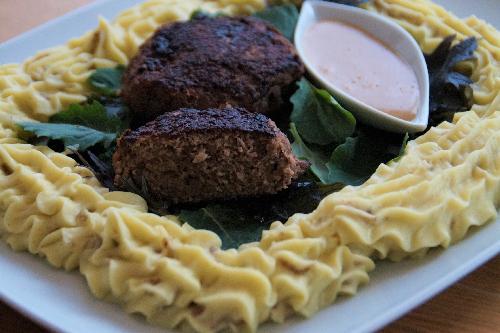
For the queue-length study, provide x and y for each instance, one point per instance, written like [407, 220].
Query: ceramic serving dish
[388, 32]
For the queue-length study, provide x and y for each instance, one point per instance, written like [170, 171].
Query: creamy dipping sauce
[363, 67]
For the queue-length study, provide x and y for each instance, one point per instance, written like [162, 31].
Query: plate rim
[378, 322]
[432, 290]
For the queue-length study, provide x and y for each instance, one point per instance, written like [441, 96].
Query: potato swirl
[177, 276]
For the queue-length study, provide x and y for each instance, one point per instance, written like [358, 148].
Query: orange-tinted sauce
[363, 67]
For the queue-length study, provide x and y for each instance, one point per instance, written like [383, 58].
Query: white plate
[62, 302]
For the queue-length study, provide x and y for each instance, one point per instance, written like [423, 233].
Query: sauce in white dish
[363, 67]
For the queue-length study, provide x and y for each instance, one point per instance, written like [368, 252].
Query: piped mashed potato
[176, 276]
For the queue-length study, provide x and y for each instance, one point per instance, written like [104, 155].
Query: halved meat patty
[211, 63]
[197, 155]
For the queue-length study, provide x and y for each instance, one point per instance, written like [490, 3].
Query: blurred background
[17, 16]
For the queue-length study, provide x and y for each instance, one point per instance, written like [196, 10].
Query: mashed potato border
[176, 276]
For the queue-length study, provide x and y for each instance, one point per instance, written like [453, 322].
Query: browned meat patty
[211, 63]
[191, 156]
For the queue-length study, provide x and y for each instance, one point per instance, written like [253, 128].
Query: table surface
[470, 305]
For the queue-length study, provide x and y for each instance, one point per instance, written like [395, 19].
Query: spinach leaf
[107, 81]
[450, 91]
[115, 108]
[200, 13]
[349, 2]
[83, 126]
[402, 150]
[229, 224]
[345, 165]
[284, 18]
[313, 155]
[242, 221]
[319, 118]
[298, 2]
[79, 137]
[354, 161]
[93, 115]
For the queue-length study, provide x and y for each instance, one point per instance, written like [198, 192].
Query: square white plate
[62, 302]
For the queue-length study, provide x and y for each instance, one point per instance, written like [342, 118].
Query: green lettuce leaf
[200, 13]
[227, 223]
[319, 118]
[349, 2]
[284, 18]
[315, 156]
[352, 162]
[82, 126]
[76, 136]
[93, 115]
[107, 81]
[243, 221]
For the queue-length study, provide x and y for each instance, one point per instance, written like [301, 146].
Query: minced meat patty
[194, 155]
[211, 63]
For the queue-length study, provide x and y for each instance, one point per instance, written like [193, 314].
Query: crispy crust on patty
[211, 62]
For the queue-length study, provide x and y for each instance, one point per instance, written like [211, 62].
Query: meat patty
[211, 63]
[192, 155]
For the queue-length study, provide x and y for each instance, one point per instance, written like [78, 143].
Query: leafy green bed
[341, 151]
